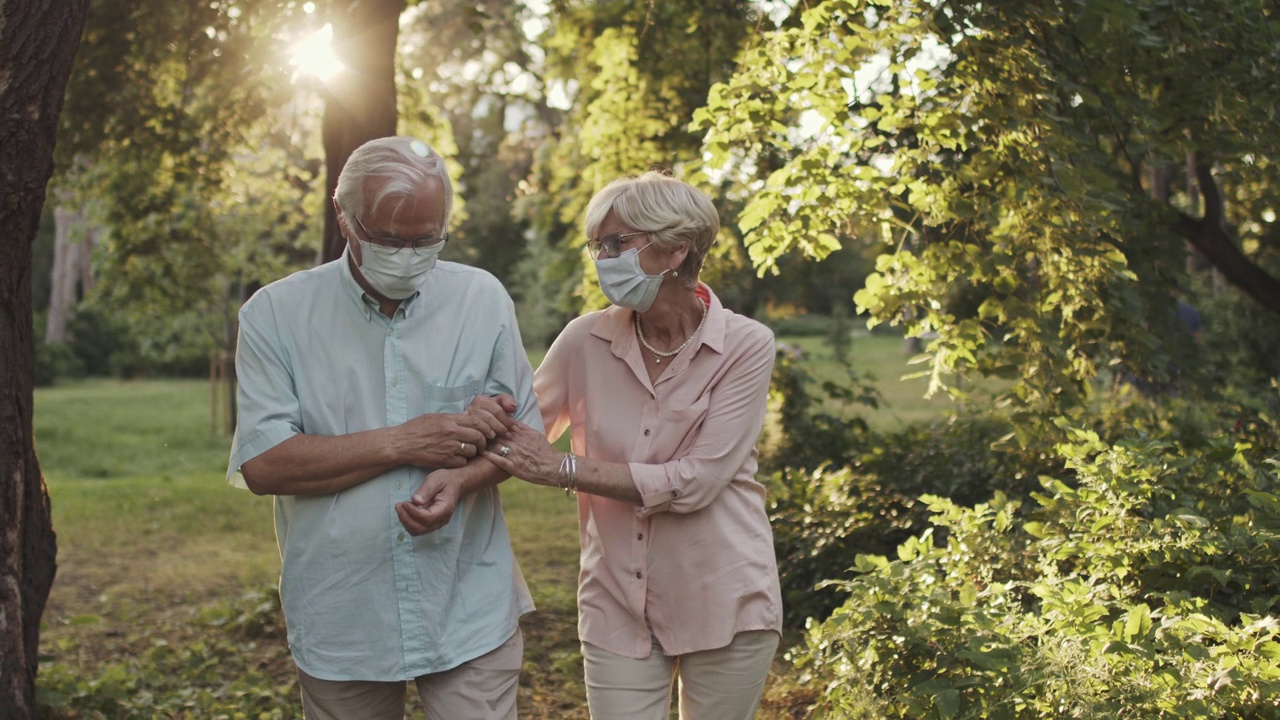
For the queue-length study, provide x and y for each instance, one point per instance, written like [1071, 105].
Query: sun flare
[315, 56]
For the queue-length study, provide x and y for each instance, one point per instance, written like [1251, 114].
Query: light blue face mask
[397, 274]
[625, 283]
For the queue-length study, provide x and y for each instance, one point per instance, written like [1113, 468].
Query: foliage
[54, 362]
[108, 345]
[212, 678]
[633, 73]
[181, 142]
[1241, 343]
[1029, 151]
[838, 489]
[815, 431]
[824, 517]
[1143, 585]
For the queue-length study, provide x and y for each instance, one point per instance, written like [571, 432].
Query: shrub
[97, 338]
[1144, 585]
[1241, 341]
[838, 489]
[801, 325]
[55, 361]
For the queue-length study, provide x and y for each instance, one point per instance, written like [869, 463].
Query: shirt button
[399, 484]
[639, 536]
[400, 537]
[675, 493]
[646, 432]
[639, 575]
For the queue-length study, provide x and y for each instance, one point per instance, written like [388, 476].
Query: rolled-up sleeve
[268, 408]
[725, 438]
[551, 384]
[511, 373]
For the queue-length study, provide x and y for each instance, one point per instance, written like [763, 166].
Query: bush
[97, 338]
[838, 489]
[800, 325]
[1143, 585]
[105, 345]
[1241, 342]
[55, 361]
[825, 517]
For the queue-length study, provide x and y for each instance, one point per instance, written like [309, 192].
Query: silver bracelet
[563, 472]
[571, 487]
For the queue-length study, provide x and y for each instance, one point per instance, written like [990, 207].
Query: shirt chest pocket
[450, 398]
[680, 427]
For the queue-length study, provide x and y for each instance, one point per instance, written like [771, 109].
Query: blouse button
[646, 432]
[639, 575]
[675, 493]
[639, 536]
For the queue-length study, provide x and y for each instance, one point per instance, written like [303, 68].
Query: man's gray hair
[673, 212]
[403, 164]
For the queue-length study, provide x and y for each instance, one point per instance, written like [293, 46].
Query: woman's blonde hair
[673, 212]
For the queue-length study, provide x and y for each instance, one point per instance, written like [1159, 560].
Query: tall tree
[38, 42]
[361, 102]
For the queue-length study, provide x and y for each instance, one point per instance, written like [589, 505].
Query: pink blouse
[696, 561]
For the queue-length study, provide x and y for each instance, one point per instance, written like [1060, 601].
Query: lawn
[163, 599]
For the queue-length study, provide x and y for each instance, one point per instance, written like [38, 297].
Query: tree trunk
[65, 275]
[38, 42]
[361, 101]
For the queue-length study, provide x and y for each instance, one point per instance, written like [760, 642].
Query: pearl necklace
[658, 354]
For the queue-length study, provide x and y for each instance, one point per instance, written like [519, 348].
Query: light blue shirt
[363, 599]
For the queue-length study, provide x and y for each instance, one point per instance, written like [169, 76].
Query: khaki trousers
[721, 684]
[479, 689]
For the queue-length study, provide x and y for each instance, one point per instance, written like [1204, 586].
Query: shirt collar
[615, 326]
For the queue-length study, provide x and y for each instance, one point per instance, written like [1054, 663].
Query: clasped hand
[450, 441]
[524, 452]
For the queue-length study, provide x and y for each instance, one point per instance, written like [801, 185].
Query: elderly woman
[665, 395]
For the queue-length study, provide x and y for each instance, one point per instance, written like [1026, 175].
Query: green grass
[883, 362]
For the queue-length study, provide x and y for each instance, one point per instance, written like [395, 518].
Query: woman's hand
[524, 453]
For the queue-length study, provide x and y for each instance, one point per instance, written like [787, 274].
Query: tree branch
[1210, 237]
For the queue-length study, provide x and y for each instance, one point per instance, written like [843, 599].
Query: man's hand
[451, 440]
[433, 503]
[494, 412]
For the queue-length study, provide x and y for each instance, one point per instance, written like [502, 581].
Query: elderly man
[357, 378]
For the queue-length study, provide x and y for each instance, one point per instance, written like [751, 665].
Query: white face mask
[397, 274]
[625, 283]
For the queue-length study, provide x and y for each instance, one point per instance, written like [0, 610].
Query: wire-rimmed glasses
[610, 244]
[395, 244]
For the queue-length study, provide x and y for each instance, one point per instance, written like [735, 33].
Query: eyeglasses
[395, 244]
[611, 245]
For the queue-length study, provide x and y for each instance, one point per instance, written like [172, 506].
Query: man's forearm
[320, 464]
[478, 475]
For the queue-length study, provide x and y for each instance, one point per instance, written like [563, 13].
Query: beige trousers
[721, 684]
[479, 689]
